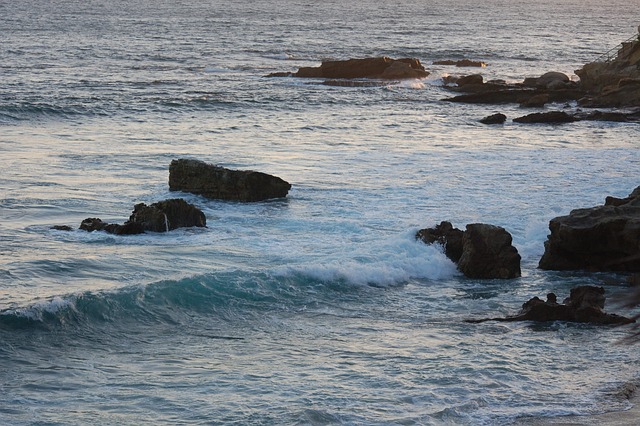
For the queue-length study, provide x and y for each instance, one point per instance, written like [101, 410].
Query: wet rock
[494, 119]
[62, 228]
[462, 63]
[163, 216]
[585, 305]
[445, 235]
[376, 68]
[536, 101]
[602, 238]
[220, 183]
[551, 117]
[472, 79]
[488, 253]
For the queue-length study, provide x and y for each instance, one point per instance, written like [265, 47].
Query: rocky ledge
[481, 251]
[220, 183]
[601, 238]
[163, 216]
[585, 304]
[374, 68]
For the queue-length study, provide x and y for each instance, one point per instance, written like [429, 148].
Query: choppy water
[317, 309]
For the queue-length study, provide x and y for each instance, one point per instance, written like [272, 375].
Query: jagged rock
[217, 182]
[553, 117]
[603, 238]
[494, 119]
[462, 63]
[585, 304]
[163, 216]
[488, 253]
[378, 68]
[447, 236]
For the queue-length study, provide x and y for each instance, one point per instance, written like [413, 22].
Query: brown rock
[378, 68]
[447, 236]
[488, 253]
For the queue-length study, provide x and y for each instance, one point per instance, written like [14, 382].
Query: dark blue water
[317, 309]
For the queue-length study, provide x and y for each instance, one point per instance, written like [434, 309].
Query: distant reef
[382, 68]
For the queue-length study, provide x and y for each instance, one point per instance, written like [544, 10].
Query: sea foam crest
[394, 262]
[37, 311]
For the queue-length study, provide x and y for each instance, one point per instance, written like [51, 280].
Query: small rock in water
[494, 119]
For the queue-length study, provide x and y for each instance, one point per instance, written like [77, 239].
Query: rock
[551, 79]
[447, 236]
[62, 228]
[217, 182]
[611, 116]
[610, 82]
[167, 215]
[603, 238]
[553, 117]
[462, 63]
[488, 253]
[494, 119]
[163, 216]
[584, 305]
[470, 79]
[355, 83]
[377, 68]
[536, 101]
[499, 94]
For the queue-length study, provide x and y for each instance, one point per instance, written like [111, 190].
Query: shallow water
[317, 309]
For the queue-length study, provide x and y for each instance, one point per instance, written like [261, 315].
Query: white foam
[36, 311]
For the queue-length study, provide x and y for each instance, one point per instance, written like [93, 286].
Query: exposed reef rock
[613, 83]
[585, 305]
[462, 63]
[554, 117]
[163, 216]
[219, 183]
[482, 251]
[603, 238]
[376, 68]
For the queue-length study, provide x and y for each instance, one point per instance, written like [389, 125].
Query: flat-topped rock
[220, 183]
[375, 68]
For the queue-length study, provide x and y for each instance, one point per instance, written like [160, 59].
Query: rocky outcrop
[481, 251]
[220, 183]
[461, 63]
[585, 305]
[163, 216]
[498, 118]
[488, 253]
[447, 236]
[377, 68]
[613, 83]
[554, 117]
[603, 238]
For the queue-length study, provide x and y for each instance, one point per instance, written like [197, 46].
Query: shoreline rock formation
[382, 68]
[482, 251]
[585, 304]
[219, 183]
[163, 216]
[602, 238]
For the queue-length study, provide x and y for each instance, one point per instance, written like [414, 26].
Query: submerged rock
[163, 216]
[603, 238]
[585, 304]
[220, 183]
[482, 251]
[378, 68]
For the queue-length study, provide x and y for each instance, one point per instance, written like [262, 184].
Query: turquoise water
[317, 309]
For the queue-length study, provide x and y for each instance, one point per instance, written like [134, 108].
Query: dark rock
[163, 216]
[378, 68]
[611, 116]
[462, 63]
[217, 182]
[494, 119]
[62, 228]
[355, 83]
[551, 117]
[603, 238]
[447, 236]
[536, 101]
[470, 80]
[584, 305]
[551, 79]
[488, 253]
[280, 74]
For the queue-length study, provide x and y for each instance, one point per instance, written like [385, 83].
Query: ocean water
[320, 308]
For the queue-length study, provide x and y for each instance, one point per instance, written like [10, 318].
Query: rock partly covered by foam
[163, 216]
[378, 68]
[481, 251]
[585, 304]
[220, 183]
[602, 238]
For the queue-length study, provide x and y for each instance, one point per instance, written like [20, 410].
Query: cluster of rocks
[461, 63]
[585, 304]
[560, 117]
[199, 178]
[481, 251]
[382, 68]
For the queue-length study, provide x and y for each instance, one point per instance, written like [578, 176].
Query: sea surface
[320, 308]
